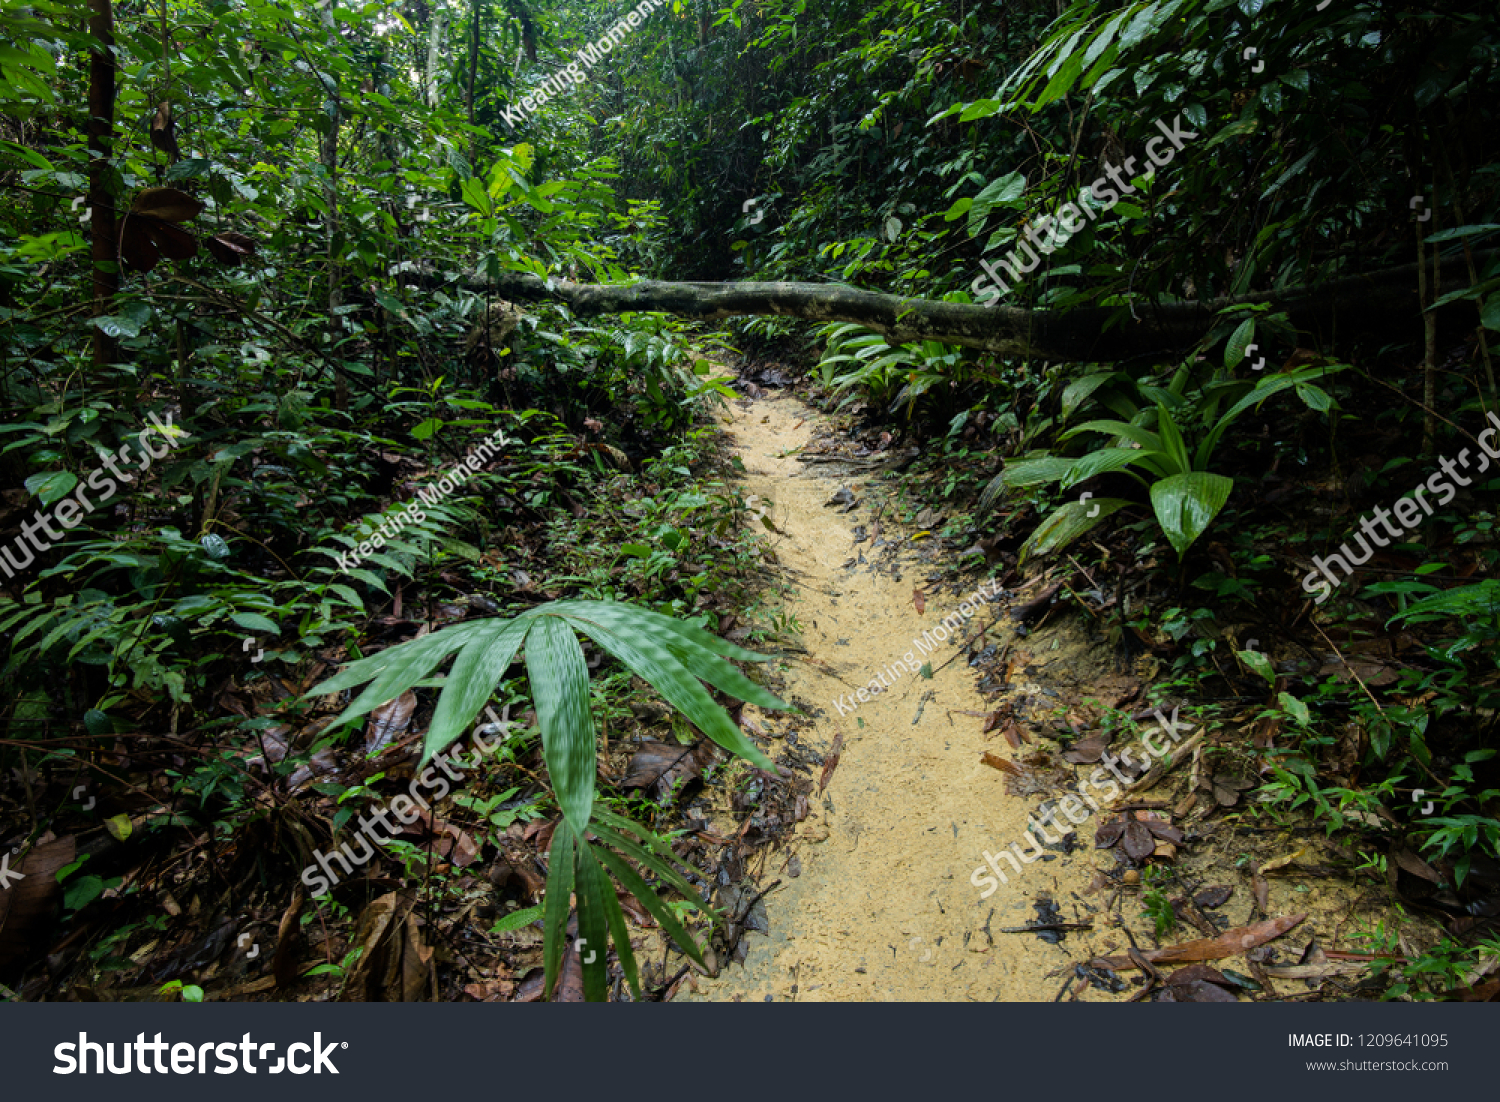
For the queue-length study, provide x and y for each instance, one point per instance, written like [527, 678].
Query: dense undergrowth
[249, 337]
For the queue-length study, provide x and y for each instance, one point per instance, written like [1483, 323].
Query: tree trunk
[330, 159]
[1374, 303]
[101, 198]
[434, 55]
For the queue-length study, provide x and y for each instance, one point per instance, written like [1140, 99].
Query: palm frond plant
[1185, 495]
[591, 842]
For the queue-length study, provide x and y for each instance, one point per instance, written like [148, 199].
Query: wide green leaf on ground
[1186, 505]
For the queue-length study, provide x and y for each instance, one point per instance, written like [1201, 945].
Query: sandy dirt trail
[884, 908]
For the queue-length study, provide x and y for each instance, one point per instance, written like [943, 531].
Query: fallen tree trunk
[1383, 302]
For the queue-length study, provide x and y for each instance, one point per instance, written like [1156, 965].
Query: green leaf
[1100, 462]
[1241, 339]
[475, 194]
[1490, 314]
[1186, 505]
[1036, 472]
[631, 881]
[1006, 191]
[1260, 663]
[620, 934]
[653, 854]
[51, 487]
[395, 669]
[1175, 446]
[516, 920]
[254, 621]
[1295, 708]
[699, 650]
[115, 326]
[1147, 439]
[1067, 523]
[1078, 391]
[471, 682]
[559, 678]
[664, 670]
[1463, 231]
[593, 926]
[558, 902]
[214, 546]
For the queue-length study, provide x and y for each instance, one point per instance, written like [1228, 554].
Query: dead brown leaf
[994, 761]
[166, 203]
[831, 762]
[1228, 944]
[1216, 896]
[1136, 841]
[26, 906]
[388, 721]
[666, 766]
[164, 132]
[1086, 750]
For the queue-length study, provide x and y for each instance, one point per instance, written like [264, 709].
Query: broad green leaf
[1067, 523]
[702, 652]
[659, 666]
[1174, 445]
[1147, 439]
[1186, 505]
[475, 194]
[619, 933]
[1490, 314]
[559, 678]
[252, 621]
[631, 881]
[516, 920]
[396, 669]
[1464, 231]
[1078, 391]
[643, 856]
[558, 902]
[50, 487]
[1296, 709]
[1260, 662]
[471, 682]
[593, 925]
[1036, 472]
[1100, 462]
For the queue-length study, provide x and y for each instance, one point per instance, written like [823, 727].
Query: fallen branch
[1381, 302]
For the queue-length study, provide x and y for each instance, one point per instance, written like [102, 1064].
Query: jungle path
[883, 908]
